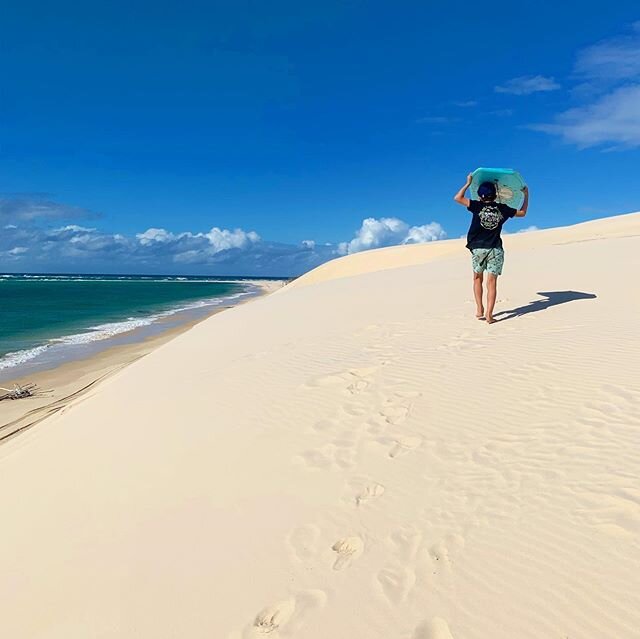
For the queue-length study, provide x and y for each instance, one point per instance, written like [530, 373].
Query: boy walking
[484, 241]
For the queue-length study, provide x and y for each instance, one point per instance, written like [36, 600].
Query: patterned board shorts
[490, 260]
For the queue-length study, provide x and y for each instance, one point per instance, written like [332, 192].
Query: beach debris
[19, 391]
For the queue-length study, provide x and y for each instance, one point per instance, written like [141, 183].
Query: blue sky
[264, 138]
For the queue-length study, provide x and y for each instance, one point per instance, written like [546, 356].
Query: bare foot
[480, 313]
[491, 320]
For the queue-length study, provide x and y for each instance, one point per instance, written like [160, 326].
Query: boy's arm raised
[525, 205]
[459, 196]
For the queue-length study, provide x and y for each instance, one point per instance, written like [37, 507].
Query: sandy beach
[353, 456]
[60, 385]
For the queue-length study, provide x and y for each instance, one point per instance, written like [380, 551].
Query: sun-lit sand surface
[354, 456]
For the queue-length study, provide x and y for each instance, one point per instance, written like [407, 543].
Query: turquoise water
[41, 311]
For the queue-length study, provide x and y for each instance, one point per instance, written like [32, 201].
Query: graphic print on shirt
[490, 217]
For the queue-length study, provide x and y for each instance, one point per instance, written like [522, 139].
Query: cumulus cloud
[155, 235]
[223, 240]
[33, 206]
[215, 241]
[528, 84]
[610, 74]
[73, 247]
[388, 231]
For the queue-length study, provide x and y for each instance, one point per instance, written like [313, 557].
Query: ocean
[48, 319]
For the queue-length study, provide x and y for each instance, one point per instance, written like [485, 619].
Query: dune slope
[354, 457]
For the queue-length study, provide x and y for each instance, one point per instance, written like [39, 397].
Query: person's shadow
[551, 298]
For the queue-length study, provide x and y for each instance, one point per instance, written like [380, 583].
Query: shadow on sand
[551, 298]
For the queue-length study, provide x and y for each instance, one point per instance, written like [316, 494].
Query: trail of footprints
[286, 617]
[412, 565]
[362, 418]
[355, 425]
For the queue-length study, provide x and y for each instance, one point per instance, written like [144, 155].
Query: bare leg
[492, 281]
[477, 292]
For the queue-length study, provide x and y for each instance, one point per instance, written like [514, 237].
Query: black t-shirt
[486, 223]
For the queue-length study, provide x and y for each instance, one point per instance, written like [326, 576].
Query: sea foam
[111, 329]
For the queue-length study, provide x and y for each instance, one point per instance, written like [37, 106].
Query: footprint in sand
[329, 457]
[436, 628]
[395, 414]
[406, 543]
[403, 445]
[398, 579]
[396, 582]
[369, 492]
[316, 459]
[358, 386]
[345, 457]
[274, 617]
[347, 549]
[287, 617]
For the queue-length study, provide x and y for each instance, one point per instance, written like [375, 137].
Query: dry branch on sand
[19, 391]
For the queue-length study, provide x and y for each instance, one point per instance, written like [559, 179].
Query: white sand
[353, 457]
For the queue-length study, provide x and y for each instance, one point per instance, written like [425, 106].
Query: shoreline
[65, 382]
[45, 349]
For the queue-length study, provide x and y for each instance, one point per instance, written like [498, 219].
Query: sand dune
[354, 456]
[411, 254]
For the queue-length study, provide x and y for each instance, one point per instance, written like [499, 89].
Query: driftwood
[19, 391]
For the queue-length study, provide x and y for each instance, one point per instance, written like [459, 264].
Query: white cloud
[74, 228]
[424, 233]
[528, 84]
[154, 235]
[32, 206]
[222, 251]
[529, 229]
[215, 241]
[613, 120]
[388, 231]
[610, 75]
[611, 60]
[223, 240]
[75, 247]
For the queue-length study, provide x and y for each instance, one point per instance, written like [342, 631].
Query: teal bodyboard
[509, 185]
